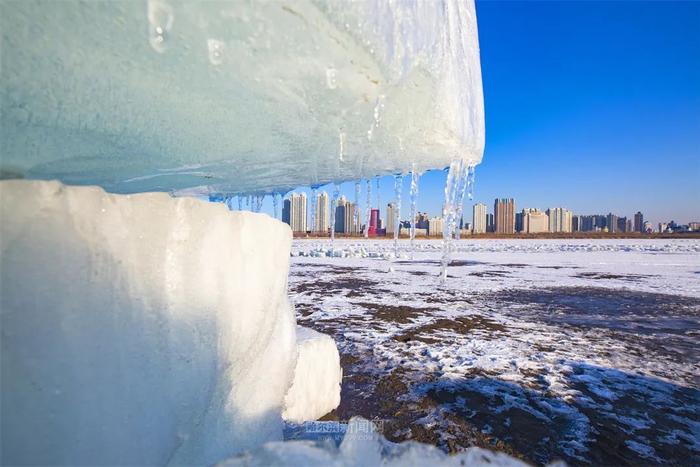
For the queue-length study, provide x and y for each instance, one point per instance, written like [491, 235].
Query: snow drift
[140, 329]
[229, 96]
[317, 378]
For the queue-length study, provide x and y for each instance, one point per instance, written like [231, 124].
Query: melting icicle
[379, 199]
[462, 181]
[358, 218]
[341, 143]
[314, 198]
[368, 215]
[334, 205]
[160, 21]
[415, 177]
[247, 202]
[398, 186]
[449, 211]
[258, 202]
[240, 202]
[471, 177]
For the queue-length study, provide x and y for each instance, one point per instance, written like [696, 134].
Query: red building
[373, 223]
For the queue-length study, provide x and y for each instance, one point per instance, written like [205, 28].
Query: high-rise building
[479, 218]
[422, 220]
[504, 215]
[298, 212]
[352, 227]
[559, 219]
[489, 223]
[321, 213]
[639, 222]
[535, 221]
[435, 226]
[611, 223]
[576, 223]
[648, 227]
[621, 224]
[340, 215]
[373, 222]
[390, 221]
[518, 221]
[662, 227]
[287, 212]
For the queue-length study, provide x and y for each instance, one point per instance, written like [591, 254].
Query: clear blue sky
[590, 105]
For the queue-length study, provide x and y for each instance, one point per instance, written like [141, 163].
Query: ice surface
[141, 329]
[363, 446]
[317, 377]
[232, 96]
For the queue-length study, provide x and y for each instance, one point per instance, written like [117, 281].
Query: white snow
[139, 329]
[317, 378]
[364, 446]
[230, 96]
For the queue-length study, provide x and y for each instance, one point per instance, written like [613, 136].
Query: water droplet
[160, 22]
[331, 74]
[216, 51]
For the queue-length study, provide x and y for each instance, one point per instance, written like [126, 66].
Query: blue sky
[590, 105]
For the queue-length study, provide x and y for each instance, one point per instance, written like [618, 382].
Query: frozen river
[582, 350]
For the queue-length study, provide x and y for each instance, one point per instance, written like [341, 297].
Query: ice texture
[317, 377]
[364, 446]
[139, 329]
[232, 96]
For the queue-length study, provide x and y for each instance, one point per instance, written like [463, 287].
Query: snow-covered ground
[583, 350]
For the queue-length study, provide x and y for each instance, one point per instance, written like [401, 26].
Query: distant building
[390, 218]
[611, 223]
[352, 226]
[518, 221]
[629, 226]
[559, 220]
[662, 227]
[489, 223]
[422, 220]
[621, 224]
[340, 215]
[287, 212]
[639, 222]
[479, 218]
[576, 223]
[694, 226]
[321, 212]
[373, 222]
[504, 215]
[298, 212]
[435, 226]
[648, 227]
[535, 221]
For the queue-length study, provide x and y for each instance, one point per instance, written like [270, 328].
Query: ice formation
[317, 377]
[145, 329]
[237, 97]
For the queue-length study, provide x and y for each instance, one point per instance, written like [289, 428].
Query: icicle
[379, 199]
[369, 207]
[247, 202]
[463, 181]
[258, 202]
[358, 216]
[334, 207]
[240, 202]
[471, 177]
[449, 211]
[276, 203]
[341, 143]
[415, 177]
[314, 198]
[398, 186]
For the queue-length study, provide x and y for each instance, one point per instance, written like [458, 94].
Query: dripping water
[398, 186]
[461, 189]
[160, 21]
[415, 177]
[275, 203]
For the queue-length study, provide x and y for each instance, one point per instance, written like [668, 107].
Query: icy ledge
[145, 329]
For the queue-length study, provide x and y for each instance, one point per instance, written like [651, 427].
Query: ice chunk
[199, 96]
[364, 446]
[140, 329]
[317, 377]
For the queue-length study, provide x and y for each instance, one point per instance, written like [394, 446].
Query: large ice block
[236, 96]
[140, 329]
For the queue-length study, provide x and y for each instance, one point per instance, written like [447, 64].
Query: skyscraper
[559, 219]
[479, 218]
[286, 212]
[639, 222]
[321, 213]
[351, 225]
[504, 215]
[390, 221]
[298, 212]
[340, 215]
[611, 223]
[435, 226]
[489, 223]
[373, 222]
